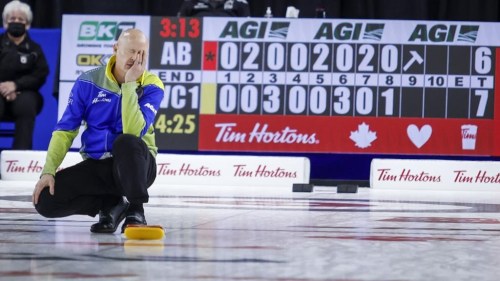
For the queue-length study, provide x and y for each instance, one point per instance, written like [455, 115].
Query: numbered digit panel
[240, 56]
[239, 99]
[386, 80]
[452, 82]
[481, 81]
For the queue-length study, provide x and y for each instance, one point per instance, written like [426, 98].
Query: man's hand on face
[137, 68]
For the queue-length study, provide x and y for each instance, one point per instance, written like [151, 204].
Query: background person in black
[23, 70]
[214, 8]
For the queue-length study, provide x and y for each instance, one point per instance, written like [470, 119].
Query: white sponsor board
[435, 175]
[181, 169]
[87, 40]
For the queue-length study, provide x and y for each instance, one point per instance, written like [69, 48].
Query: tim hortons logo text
[464, 176]
[262, 171]
[260, 134]
[13, 166]
[186, 169]
[406, 175]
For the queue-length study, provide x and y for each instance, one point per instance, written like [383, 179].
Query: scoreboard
[320, 85]
[326, 85]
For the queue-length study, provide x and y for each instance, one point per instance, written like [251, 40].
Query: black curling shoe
[110, 219]
[134, 218]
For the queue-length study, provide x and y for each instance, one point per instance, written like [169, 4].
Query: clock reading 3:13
[180, 28]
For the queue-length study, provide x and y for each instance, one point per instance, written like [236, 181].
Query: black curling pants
[90, 185]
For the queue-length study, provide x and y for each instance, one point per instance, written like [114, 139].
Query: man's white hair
[17, 5]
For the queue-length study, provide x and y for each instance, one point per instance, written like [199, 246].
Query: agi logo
[350, 31]
[445, 33]
[92, 59]
[102, 31]
[255, 29]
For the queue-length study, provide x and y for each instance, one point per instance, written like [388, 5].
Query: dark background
[48, 13]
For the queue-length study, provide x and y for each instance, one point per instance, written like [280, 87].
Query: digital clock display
[180, 28]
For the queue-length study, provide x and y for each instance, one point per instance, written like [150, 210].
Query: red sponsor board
[346, 134]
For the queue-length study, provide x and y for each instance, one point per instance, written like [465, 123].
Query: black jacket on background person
[215, 8]
[25, 64]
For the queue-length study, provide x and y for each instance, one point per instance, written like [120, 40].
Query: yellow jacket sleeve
[58, 147]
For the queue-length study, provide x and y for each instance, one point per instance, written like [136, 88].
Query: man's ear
[115, 48]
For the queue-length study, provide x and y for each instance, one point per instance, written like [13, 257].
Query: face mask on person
[16, 29]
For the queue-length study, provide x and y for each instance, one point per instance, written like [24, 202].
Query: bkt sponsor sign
[103, 30]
